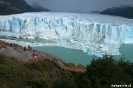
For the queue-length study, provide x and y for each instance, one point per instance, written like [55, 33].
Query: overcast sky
[79, 6]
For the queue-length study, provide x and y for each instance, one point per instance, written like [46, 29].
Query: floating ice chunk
[85, 50]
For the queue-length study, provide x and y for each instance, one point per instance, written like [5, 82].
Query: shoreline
[62, 64]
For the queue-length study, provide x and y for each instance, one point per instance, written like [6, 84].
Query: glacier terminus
[92, 33]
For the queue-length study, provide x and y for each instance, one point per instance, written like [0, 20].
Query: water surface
[126, 50]
[78, 57]
[68, 55]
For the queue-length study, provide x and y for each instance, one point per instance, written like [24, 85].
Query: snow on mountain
[95, 34]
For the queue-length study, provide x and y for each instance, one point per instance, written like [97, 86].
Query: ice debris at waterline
[95, 34]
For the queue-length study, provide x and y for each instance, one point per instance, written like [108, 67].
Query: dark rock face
[124, 11]
[8, 7]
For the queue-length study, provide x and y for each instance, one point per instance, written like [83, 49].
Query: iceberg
[93, 33]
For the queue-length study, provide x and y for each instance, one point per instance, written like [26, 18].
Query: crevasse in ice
[95, 34]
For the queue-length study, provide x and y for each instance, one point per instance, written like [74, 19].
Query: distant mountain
[8, 7]
[124, 11]
[39, 8]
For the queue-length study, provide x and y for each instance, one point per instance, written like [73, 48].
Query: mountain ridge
[124, 11]
[8, 7]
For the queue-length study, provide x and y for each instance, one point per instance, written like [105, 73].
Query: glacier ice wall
[95, 34]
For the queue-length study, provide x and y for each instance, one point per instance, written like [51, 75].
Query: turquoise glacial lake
[78, 57]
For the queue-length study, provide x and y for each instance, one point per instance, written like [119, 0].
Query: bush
[2, 58]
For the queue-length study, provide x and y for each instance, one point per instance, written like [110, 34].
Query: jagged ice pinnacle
[95, 34]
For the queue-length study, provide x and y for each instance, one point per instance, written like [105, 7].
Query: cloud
[84, 6]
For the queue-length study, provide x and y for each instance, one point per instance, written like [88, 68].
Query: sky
[79, 6]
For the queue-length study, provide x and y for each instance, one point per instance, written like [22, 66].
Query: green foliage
[127, 67]
[39, 74]
[101, 73]
[2, 59]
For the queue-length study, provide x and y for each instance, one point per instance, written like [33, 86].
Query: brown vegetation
[59, 62]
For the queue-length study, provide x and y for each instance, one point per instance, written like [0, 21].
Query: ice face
[95, 34]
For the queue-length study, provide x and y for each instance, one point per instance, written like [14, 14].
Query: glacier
[92, 33]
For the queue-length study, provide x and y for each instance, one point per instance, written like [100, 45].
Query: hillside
[124, 11]
[8, 7]
[101, 73]
[39, 74]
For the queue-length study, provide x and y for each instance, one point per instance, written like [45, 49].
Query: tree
[105, 71]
